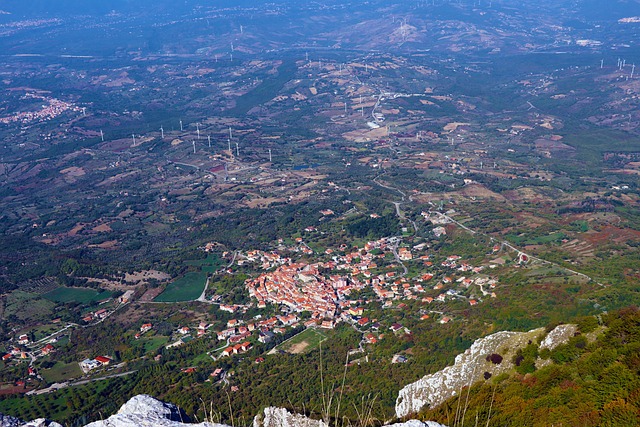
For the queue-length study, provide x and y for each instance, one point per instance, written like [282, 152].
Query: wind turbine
[237, 150]
[270, 160]
[181, 126]
[209, 138]
[194, 146]
[133, 135]
[198, 130]
[161, 132]
[101, 135]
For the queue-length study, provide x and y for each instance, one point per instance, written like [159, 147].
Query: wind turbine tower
[237, 150]
[209, 138]
[270, 159]
[633, 69]
[181, 129]
[133, 135]
[101, 135]
[601, 63]
[161, 132]
[194, 146]
[230, 152]
[198, 130]
[230, 133]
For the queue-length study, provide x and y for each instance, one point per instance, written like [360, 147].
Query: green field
[208, 265]
[27, 306]
[61, 372]
[153, 343]
[81, 295]
[186, 288]
[304, 342]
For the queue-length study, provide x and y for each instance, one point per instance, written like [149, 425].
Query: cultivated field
[186, 288]
[81, 295]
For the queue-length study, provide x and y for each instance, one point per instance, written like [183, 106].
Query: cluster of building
[318, 289]
[51, 110]
[90, 364]
[322, 290]
[98, 315]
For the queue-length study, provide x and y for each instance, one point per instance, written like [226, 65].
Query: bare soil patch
[150, 294]
[298, 348]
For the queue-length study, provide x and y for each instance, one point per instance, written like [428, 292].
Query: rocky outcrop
[279, 417]
[6, 421]
[475, 364]
[469, 368]
[143, 410]
[559, 335]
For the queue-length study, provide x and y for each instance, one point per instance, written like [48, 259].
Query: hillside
[588, 383]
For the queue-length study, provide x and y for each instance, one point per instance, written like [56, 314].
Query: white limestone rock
[469, 367]
[41, 422]
[144, 410]
[8, 421]
[280, 417]
[559, 335]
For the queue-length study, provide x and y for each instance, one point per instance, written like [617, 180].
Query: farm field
[61, 372]
[208, 265]
[81, 295]
[153, 343]
[186, 288]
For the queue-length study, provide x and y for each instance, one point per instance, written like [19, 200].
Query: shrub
[494, 358]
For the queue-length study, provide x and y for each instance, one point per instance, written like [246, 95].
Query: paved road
[201, 298]
[518, 250]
